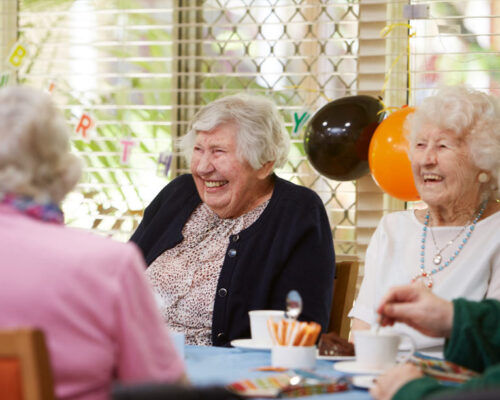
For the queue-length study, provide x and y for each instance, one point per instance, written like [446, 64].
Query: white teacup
[379, 350]
[258, 324]
[293, 356]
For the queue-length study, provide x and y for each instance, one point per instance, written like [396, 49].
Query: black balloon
[338, 136]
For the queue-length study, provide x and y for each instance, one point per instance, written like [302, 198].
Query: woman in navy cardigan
[232, 236]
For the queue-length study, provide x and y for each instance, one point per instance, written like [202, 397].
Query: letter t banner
[127, 148]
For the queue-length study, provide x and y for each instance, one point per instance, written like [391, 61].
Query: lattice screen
[142, 68]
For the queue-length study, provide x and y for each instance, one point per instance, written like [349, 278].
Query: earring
[483, 177]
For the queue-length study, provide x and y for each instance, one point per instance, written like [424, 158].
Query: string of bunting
[85, 126]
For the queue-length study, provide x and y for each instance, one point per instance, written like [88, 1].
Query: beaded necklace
[425, 276]
[439, 251]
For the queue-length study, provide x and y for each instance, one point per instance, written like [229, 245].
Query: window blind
[140, 69]
[457, 43]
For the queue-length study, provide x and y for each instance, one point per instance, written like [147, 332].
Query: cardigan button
[221, 336]
[232, 252]
[222, 292]
[236, 238]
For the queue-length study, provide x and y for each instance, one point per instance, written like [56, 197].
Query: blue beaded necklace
[425, 276]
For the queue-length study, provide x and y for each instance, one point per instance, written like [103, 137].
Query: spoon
[295, 380]
[293, 305]
[375, 327]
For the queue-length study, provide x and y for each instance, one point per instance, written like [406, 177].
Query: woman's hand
[389, 383]
[418, 307]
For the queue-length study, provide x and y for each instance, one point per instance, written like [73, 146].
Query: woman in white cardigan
[453, 245]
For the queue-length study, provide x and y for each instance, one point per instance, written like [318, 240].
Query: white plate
[334, 358]
[353, 367]
[364, 381]
[434, 354]
[249, 344]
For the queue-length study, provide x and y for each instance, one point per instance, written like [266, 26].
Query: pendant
[437, 259]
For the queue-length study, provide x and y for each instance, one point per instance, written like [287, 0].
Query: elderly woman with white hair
[232, 236]
[70, 283]
[453, 245]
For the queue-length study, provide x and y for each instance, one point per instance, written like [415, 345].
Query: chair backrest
[164, 391]
[491, 393]
[25, 372]
[344, 290]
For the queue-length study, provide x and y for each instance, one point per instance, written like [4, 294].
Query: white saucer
[363, 381]
[249, 344]
[353, 367]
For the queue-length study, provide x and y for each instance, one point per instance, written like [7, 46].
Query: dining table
[209, 366]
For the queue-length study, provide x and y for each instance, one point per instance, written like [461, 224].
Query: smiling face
[444, 173]
[228, 185]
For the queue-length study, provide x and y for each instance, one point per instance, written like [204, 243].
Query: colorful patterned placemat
[296, 383]
[443, 370]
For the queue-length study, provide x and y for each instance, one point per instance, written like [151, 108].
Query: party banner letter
[50, 87]
[17, 55]
[299, 121]
[84, 124]
[127, 148]
[4, 79]
[165, 159]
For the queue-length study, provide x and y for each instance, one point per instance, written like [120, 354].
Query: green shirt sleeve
[474, 343]
[419, 388]
[475, 339]
[429, 388]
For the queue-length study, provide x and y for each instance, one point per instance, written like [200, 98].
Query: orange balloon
[388, 160]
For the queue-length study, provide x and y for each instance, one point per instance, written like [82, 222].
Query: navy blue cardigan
[289, 247]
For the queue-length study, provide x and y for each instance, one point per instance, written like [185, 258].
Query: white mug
[379, 350]
[258, 325]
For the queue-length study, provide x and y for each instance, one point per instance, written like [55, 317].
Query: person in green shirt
[472, 332]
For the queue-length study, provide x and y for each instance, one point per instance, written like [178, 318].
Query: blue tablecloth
[221, 366]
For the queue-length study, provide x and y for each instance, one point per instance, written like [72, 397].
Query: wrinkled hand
[389, 383]
[418, 307]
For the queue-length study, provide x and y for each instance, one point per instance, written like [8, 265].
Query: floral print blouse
[185, 277]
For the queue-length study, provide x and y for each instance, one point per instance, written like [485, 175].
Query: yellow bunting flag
[17, 55]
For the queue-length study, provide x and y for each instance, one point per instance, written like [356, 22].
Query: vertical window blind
[140, 69]
[450, 43]
[457, 43]
[427, 44]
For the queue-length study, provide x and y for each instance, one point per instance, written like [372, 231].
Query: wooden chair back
[25, 372]
[344, 291]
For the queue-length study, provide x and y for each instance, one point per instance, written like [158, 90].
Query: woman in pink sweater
[87, 293]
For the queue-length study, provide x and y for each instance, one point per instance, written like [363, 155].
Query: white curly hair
[261, 136]
[471, 115]
[35, 158]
